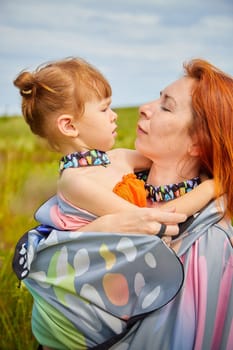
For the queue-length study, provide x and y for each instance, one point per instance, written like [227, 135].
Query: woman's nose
[146, 111]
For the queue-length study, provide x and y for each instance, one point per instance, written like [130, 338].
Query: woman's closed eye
[165, 109]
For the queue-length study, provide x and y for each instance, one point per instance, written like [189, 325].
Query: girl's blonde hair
[60, 87]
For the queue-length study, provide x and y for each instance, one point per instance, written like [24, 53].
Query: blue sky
[139, 45]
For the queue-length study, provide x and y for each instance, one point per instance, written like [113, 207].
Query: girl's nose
[114, 115]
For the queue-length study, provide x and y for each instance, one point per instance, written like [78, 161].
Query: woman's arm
[143, 220]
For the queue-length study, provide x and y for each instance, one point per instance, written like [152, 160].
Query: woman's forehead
[180, 90]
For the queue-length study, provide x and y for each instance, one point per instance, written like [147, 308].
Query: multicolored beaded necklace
[81, 159]
[155, 193]
[172, 191]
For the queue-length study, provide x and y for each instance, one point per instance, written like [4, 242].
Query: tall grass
[28, 173]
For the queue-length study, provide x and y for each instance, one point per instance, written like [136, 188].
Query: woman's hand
[140, 220]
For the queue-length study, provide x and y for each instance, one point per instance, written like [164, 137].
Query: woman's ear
[67, 125]
[194, 149]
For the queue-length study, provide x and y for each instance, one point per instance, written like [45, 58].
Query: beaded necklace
[168, 192]
[172, 191]
[81, 159]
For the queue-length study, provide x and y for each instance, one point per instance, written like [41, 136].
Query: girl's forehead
[104, 100]
[100, 101]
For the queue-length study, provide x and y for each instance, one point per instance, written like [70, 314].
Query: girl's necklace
[81, 159]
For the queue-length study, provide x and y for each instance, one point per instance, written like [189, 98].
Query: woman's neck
[161, 174]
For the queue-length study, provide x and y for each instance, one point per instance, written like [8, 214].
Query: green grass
[28, 172]
[15, 310]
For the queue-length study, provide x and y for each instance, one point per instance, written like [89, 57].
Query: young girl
[68, 103]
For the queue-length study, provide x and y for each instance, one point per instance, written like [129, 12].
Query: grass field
[28, 173]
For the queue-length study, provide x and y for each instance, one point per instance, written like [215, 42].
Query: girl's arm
[89, 192]
[136, 161]
[86, 193]
[195, 200]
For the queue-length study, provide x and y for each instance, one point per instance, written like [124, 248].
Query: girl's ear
[67, 125]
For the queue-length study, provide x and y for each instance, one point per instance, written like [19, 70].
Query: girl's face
[97, 126]
[163, 126]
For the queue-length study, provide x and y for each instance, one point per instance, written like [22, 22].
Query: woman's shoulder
[209, 228]
[224, 230]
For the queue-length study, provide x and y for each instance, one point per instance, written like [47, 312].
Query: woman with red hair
[188, 131]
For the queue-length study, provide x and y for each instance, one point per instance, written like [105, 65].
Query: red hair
[212, 104]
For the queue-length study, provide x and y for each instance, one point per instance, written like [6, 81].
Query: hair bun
[26, 92]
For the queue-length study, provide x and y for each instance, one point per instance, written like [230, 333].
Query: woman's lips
[140, 130]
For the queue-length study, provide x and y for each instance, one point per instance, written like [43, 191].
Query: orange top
[132, 190]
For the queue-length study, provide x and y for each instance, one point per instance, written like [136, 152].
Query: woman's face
[163, 126]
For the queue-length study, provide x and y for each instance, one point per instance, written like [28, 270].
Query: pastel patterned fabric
[59, 213]
[200, 317]
[78, 303]
[88, 287]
